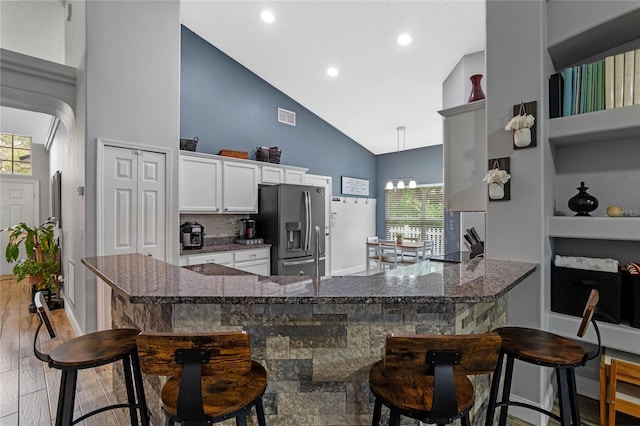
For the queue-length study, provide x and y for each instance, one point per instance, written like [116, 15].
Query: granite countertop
[143, 279]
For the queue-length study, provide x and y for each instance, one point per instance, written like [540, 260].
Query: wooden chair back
[623, 398]
[228, 351]
[42, 308]
[589, 311]
[478, 352]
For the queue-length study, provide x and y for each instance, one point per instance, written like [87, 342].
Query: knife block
[477, 249]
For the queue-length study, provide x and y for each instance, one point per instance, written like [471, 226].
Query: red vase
[476, 89]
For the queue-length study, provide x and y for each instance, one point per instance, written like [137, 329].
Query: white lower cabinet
[256, 261]
[224, 258]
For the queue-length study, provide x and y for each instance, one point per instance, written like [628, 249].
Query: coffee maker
[247, 232]
[192, 235]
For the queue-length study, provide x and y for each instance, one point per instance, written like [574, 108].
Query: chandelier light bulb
[400, 184]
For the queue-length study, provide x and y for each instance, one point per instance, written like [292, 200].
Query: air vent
[286, 117]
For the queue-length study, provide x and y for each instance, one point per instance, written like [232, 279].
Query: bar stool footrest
[530, 406]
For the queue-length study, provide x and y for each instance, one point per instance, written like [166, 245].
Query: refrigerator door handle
[307, 217]
[298, 262]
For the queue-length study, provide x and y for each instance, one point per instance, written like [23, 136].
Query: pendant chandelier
[398, 182]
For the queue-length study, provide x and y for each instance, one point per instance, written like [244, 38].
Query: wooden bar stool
[212, 376]
[549, 350]
[89, 351]
[619, 385]
[424, 377]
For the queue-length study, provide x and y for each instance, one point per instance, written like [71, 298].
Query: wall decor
[498, 179]
[523, 125]
[355, 186]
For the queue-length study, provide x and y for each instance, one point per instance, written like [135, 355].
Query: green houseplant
[41, 264]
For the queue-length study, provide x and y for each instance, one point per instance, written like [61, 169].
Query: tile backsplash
[216, 226]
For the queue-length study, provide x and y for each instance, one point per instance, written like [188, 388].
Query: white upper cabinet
[294, 176]
[272, 175]
[240, 187]
[465, 157]
[200, 184]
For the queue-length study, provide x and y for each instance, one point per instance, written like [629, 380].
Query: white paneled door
[133, 210]
[19, 203]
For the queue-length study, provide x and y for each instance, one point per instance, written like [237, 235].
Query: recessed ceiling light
[332, 71]
[267, 16]
[404, 39]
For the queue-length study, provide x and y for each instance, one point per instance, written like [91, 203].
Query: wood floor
[29, 389]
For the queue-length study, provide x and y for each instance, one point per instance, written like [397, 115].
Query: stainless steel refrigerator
[291, 219]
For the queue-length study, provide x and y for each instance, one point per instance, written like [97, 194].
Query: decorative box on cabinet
[465, 157]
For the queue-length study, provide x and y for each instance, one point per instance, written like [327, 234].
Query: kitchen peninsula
[316, 338]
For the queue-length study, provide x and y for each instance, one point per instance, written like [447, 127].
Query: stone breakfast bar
[317, 339]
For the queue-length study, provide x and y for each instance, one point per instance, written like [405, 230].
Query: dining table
[412, 247]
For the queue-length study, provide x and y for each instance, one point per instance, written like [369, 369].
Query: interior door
[133, 206]
[19, 204]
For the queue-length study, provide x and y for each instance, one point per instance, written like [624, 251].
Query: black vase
[582, 203]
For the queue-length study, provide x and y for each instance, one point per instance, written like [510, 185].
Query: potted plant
[520, 125]
[41, 263]
[399, 236]
[496, 178]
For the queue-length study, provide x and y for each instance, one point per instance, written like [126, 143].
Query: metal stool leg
[493, 395]
[394, 418]
[573, 397]
[377, 408]
[66, 397]
[142, 400]
[563, 397]
[506, 390]
[131, 395]
[260, 413]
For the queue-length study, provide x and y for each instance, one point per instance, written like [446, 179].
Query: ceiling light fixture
[398, 182]
[332, 71]
[404, 39]
[267, 16]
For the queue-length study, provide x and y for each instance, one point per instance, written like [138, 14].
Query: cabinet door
[221, 258]
[294, 176]
[465, 158]
[272, 175]
[200, 184]
[255, 261]
[240, 187]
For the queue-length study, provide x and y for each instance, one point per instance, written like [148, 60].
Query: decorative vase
[496, 191]
[522, 137]
[582, 203]
[476, 89]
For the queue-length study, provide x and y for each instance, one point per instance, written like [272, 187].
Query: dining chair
[388, 253]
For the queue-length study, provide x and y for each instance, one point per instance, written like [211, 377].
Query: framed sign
[355, 186]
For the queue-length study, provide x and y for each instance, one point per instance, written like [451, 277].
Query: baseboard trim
[74, 323]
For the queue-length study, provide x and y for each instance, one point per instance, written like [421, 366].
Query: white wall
[132, 86]
[457, 86]
[351, 223]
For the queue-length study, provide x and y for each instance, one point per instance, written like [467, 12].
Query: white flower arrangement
[520, 122]
[496, 175]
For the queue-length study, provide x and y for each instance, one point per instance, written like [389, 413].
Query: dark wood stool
[212, 376]
[89, 351]
[424, 377]
[549, 350]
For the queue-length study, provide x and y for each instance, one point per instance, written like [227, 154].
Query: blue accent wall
[229, 107]
[425, 165]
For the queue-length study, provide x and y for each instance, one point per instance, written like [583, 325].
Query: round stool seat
[414, 393]
[222, 395]
[540, 347]
[94, 349]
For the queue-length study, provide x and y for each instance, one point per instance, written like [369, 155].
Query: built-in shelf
[607, 125]
[617, 336]
[597, 228]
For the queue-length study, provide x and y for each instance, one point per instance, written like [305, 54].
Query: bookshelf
[576, 139]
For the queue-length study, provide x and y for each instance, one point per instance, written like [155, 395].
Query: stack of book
[612, 82]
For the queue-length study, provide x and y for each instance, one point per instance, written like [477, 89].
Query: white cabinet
[256, 261]
[272, 175]
[239, 187]
[224, 258]
[294, 176]
[465, 157]
[200, 180]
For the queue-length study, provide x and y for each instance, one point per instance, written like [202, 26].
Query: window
[15, 154]
[418, 214]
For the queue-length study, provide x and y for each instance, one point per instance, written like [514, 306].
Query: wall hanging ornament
[498, 179]
[523, 125]
[476, 89]
[582, 203]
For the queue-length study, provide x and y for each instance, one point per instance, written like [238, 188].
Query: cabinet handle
[252, 255]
